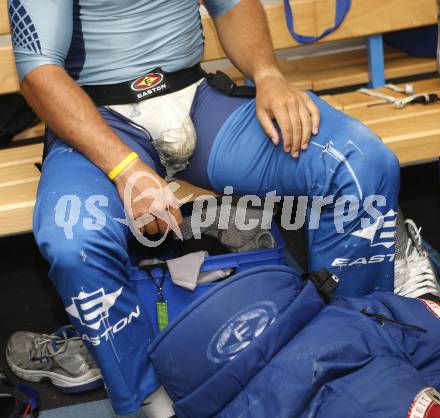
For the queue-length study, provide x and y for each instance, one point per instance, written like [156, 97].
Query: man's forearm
[245, 37]
[66, 109]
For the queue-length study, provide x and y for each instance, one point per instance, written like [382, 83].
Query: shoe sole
[91, 380]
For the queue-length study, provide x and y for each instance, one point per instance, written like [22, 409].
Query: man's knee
[369, 164]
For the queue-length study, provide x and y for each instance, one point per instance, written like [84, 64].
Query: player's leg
[77, 230]
[345, 163]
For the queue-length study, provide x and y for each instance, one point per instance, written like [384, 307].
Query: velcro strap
[325, 283]
[227, 86]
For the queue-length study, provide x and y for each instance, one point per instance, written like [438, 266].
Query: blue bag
[420, 42]
[255, 306]
[342, 9]
[263, 344]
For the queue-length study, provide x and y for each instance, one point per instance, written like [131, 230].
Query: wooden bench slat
[340, 77]
[4, 19]
[401, 129]
[299, 80]
[411, 150]
[186, 189]
[34, 132]
[358, 73]
[337, 59]
[8, 73]
[18, 174]
[342, 69]
[375, 16]
[332, 101]
[16, 221]
[386, 112]
[18, 196]
[21, 155]
[408, 66]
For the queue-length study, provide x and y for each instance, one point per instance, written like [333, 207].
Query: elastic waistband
[149, 85]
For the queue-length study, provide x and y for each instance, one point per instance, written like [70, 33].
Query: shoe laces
[45, 344]
[418, 270]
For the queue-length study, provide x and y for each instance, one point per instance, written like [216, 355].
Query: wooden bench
[411, 141]
[412, 133]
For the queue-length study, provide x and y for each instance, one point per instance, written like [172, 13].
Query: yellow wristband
[122, 165]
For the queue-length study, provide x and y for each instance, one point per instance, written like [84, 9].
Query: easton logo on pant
[425, 405]
[378, 258]
[92, 311]
[92, 308]
[382, 232]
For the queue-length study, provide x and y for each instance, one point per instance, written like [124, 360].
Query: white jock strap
[167, 119]
[398, 103]
[414, 275]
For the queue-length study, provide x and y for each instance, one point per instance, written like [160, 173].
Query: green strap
[161, 304]
[162, 314]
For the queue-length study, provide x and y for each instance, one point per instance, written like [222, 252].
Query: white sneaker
[414, 275]
[61, 358]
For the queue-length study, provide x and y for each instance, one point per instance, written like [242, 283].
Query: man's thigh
[339, 159]
[210, 111]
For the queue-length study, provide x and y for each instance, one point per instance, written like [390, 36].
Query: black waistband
[152, 84]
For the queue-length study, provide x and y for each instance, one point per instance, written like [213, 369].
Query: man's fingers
[314, 114]
[306, 123]
[295, 120]
[152, 228]
[282, 117]
[268, 126]
[163, 225]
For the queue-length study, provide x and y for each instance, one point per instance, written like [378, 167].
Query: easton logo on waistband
[149, 85]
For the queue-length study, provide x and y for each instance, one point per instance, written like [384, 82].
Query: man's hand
[153, 207]
[292, 109]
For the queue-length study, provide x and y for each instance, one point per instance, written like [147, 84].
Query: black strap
[426, 99]
[226, 85]
[157, 283]
[126, 92]
[382, 318]
[325, 283]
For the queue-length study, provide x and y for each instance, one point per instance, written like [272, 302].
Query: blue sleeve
[219, 7]
[41, 32]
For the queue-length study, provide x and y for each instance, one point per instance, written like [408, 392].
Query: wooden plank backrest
[4, 22]
[313, 16]
[8, 72]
